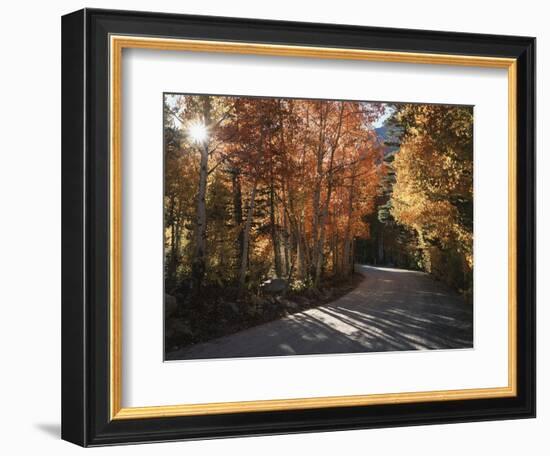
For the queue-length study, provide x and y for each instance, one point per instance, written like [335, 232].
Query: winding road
[390, 310]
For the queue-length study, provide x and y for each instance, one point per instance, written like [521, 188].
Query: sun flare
[198, 132]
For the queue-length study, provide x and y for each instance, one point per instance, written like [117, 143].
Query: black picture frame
[85, 225]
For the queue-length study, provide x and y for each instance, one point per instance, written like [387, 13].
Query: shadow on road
[391, 310]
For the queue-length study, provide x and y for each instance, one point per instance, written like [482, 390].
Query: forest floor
[389, 310]
[220, 311]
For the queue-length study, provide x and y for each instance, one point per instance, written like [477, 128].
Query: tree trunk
[176, 248]
[352, 268]
[347, 241]
[317, 189]
[381, 246]
[199, 258]
[237, 213]
[273, 229]
[172, 257]
[320, 250]
[303, 265]
[246, 237]
[286, 243]
[324, 213]
[335, 256]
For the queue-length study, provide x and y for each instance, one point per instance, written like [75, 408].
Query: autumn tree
[280, 188]
[433, 193]
[198, 119]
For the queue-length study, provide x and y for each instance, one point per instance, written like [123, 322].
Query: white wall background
[30, 193]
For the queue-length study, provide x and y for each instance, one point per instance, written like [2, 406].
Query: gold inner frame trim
[117, 44]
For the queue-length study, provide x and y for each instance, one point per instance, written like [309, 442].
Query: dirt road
[391, 309]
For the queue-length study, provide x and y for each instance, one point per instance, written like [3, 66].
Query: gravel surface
[390, 310]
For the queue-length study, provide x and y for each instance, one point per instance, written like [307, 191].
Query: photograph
[312, 226]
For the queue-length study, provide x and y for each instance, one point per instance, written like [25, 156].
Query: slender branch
[175, 115]
[223, 160]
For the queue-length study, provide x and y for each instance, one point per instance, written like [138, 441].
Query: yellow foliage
[433, 192]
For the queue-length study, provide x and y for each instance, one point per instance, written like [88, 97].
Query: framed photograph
[278, 227]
